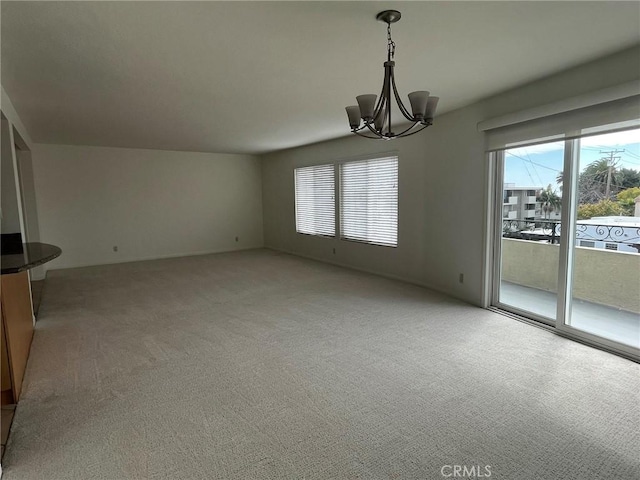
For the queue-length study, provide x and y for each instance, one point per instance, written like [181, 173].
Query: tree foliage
[629, 195]
[627, 200]
[603, 208]
[629, 178]
[592, 182]
[592, 190]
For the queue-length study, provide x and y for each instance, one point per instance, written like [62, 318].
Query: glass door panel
[530, 222]
[605, 295]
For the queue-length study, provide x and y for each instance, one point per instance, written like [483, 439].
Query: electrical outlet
[461, 278]
[115, 248]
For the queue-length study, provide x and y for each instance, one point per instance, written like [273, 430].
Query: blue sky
[538, 165]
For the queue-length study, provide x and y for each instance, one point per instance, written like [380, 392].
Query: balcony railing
[549, 231]
[536, 230]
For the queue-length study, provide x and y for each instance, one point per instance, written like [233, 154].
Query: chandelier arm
[366, 126]
[374, 131]
[382, 99]
[403, 109]
[377, 137]
[380, 104]
[389, 76]
[404, 134]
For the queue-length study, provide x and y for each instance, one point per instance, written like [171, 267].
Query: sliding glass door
[529, 222]
[605, 271]
[567, 235]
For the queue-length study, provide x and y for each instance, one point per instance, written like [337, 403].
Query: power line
[534, 168]
[529, 173]
[538, 164]
[599, 147]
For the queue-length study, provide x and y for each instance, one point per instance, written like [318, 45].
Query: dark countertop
[32, 255]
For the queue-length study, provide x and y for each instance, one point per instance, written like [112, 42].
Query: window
[611, 246]
[315, 200]
[587, 243]
[369, 201]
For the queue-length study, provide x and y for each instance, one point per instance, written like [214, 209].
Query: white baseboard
[156, 257]
[372, 272]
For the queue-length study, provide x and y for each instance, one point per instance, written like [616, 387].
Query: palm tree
[600, 180]
[549, 201]
[560, 179]
[599, 176]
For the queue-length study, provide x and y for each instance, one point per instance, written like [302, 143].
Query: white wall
[442, 186]
[9, 205]
[12, 116]
[28, 191]
[149, 203]
[13, 129]
[433, 214]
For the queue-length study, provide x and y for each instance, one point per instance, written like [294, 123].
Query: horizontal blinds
[623, 113]
[369, 201]
[315, 200]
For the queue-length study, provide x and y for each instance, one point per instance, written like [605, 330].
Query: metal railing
[549, 231]
[537, 230]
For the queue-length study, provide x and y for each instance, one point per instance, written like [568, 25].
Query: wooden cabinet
[17, 332]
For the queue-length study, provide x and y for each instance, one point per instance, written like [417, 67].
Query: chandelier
[377, 116]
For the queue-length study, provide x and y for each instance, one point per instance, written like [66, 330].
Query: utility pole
[610, 163]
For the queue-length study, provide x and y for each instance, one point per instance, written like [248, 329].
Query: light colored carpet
[262, 365]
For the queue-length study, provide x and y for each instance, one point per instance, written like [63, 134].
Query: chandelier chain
[391, 45]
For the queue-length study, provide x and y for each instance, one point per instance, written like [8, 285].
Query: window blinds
[315, 200]
[369, 201]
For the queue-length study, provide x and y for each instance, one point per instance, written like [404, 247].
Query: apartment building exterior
[519, 203]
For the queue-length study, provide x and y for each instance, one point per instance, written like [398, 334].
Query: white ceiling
[251, 77]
